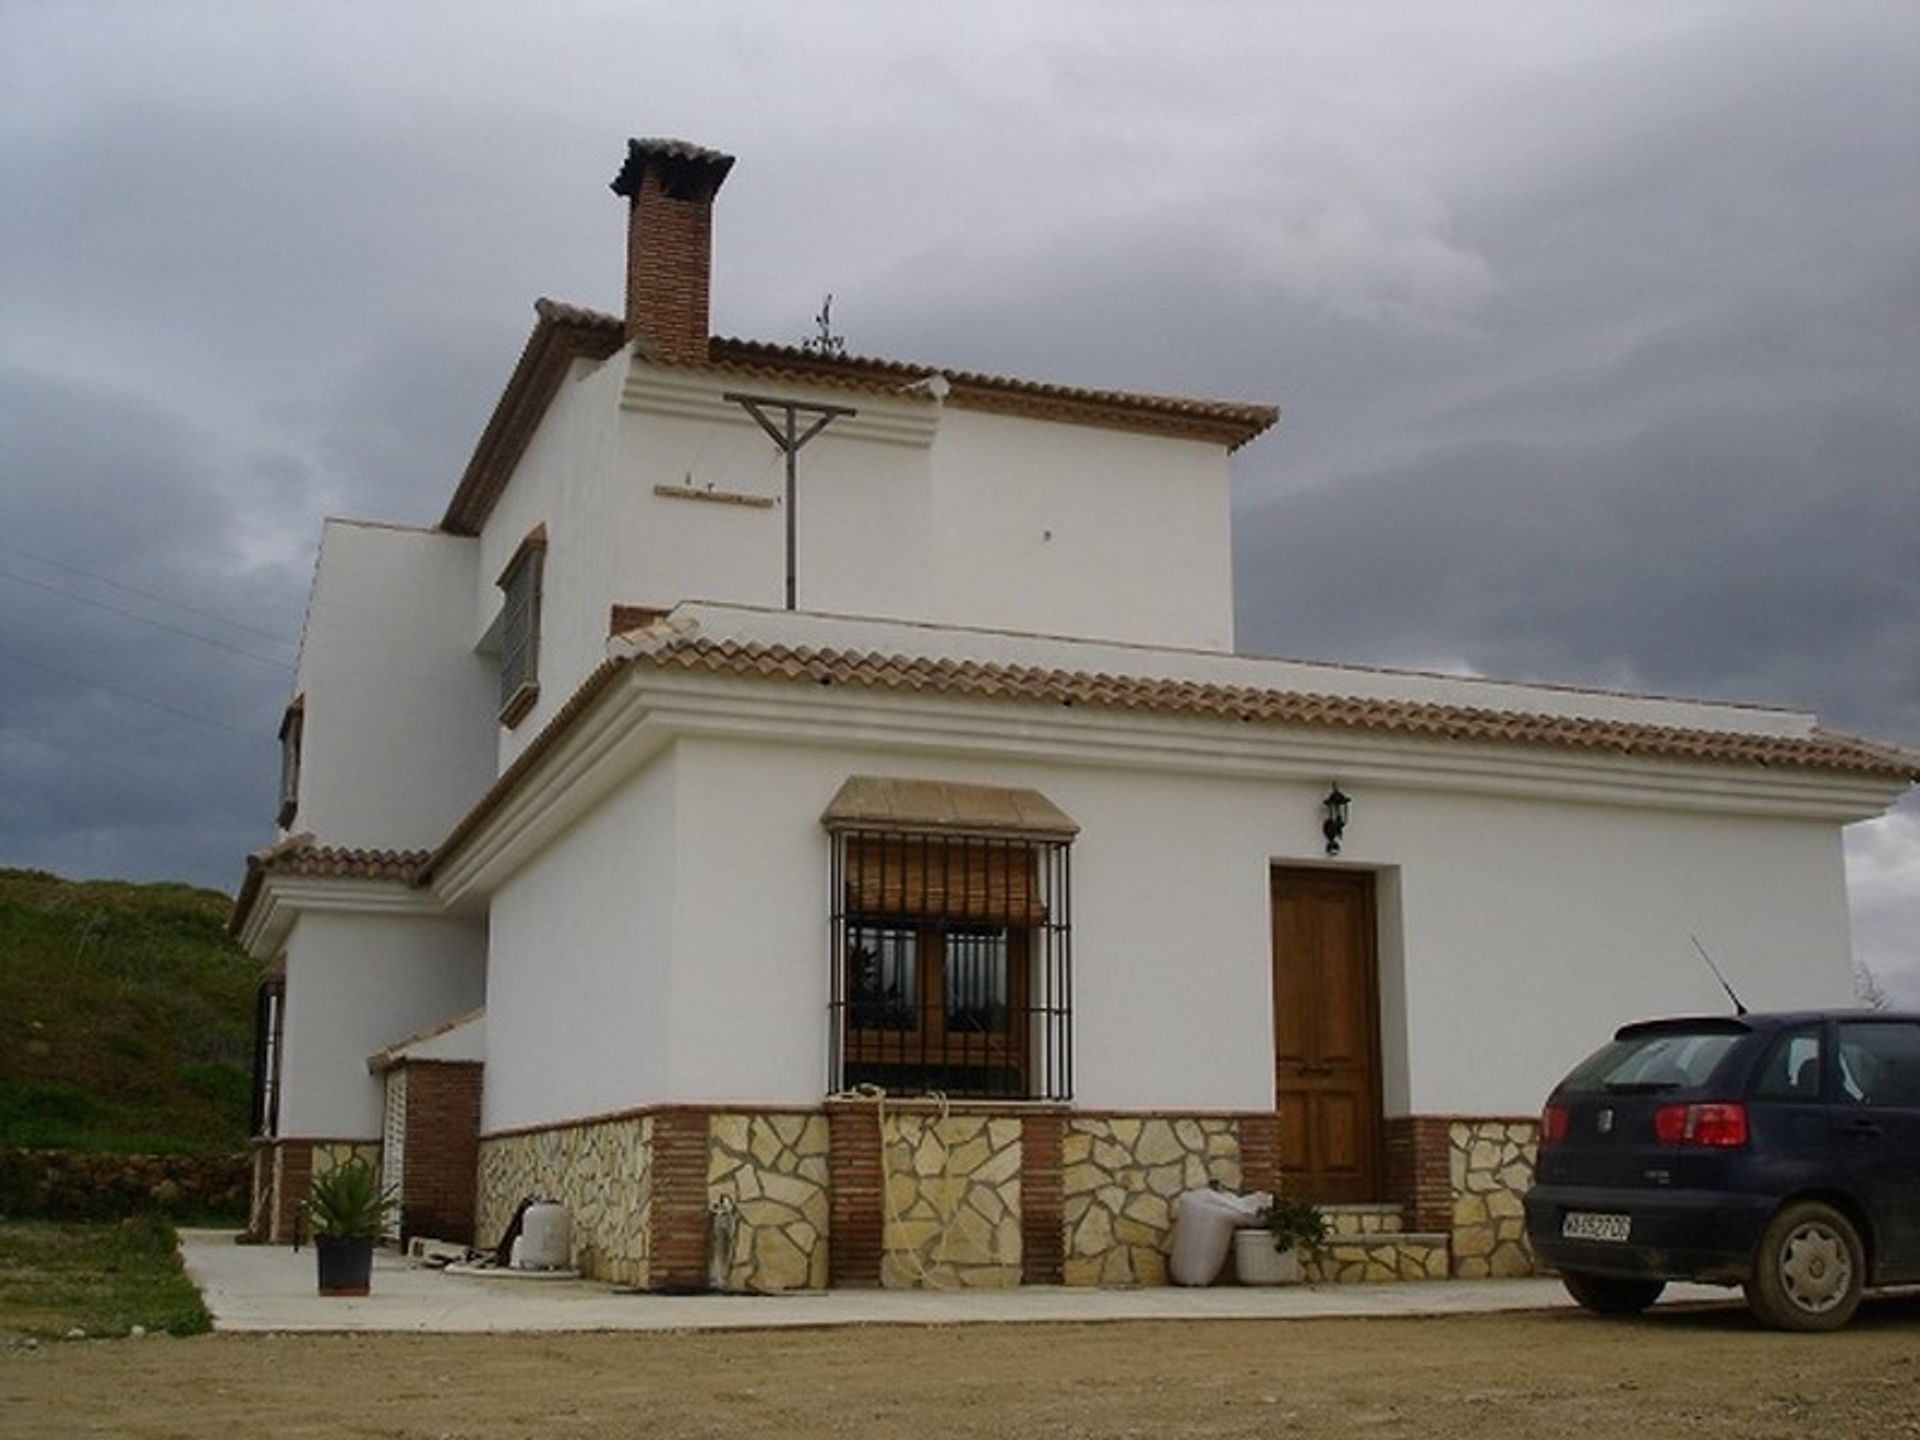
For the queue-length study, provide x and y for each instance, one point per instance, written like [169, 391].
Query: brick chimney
[669, 186]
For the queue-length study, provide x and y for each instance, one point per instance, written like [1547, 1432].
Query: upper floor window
[291, 725]
[951, 947]
[519, 628]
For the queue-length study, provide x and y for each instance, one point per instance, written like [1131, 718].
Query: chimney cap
[686, 170]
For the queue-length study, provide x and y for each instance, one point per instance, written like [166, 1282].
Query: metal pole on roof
[789, 437]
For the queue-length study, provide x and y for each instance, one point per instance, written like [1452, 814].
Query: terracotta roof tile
[564, 332]
[1820, 750]
[298, 855]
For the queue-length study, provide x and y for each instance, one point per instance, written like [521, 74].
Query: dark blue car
[1780, 1153]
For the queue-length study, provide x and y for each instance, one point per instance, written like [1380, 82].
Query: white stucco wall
[909, 511]
[356, 984]
[1075, 530]
[1533, 930]
[1514, 935]
[579, 976]
[397, 740]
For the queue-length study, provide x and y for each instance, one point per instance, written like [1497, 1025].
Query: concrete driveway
[271, 1288]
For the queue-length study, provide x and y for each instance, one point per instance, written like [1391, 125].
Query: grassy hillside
[126, 1017]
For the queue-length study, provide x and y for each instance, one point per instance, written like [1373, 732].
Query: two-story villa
[827, 785]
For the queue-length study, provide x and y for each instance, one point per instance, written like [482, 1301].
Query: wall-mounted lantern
[1335, 825]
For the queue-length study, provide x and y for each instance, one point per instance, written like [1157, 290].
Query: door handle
[1862, 1129]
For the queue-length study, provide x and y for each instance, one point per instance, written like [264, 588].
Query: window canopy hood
[886, 803]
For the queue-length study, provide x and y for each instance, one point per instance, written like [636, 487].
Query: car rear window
[1656, 1060]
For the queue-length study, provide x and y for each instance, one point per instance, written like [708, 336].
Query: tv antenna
[789, 437]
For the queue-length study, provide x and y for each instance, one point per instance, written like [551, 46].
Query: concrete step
[1383, 1255]
[1364, 1219]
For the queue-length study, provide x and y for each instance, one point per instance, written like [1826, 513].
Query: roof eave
[561, 335]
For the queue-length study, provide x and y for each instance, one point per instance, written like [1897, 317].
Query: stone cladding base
[917, 1194]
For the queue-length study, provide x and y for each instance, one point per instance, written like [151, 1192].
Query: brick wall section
[1418, 1173]
[292, 1179]
[678, 1242]
[858, 1215]
[669, 259]
[1260, 1152]
[1042, 1228]
[441, 1162]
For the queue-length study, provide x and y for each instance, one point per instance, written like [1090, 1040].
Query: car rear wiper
[1640, 1087]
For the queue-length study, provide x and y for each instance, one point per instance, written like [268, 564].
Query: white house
[828, 784]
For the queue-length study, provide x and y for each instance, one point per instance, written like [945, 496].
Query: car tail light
[1721, 1127]
[1555, 1121]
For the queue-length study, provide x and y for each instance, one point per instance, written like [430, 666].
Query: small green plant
[1295, 1225]
[347, 1203]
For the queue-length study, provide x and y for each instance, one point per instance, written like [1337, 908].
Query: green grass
[103, 1279]
[126, 1017]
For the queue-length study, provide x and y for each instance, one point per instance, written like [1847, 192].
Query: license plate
[1586, 1225]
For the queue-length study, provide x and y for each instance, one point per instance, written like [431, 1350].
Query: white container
[546, 1238]
[1203, 1226]
[1256, 1261]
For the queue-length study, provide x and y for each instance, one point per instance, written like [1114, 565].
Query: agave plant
[347, 1203]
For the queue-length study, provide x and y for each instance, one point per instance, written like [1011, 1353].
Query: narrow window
[520, 628]
[291, 724]
[269, 1032]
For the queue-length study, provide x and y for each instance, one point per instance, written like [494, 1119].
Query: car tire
[1809, 1271]
[1611, 1294]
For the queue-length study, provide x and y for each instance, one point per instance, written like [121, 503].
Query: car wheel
[1810, 1269]
[1610, 1295]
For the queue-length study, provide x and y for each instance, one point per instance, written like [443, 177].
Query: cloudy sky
[1596, 326]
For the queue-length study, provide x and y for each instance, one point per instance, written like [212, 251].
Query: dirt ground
[1700, 1372]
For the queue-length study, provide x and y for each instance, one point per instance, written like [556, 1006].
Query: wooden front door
[1326, 1034]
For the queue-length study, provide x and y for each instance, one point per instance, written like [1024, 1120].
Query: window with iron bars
[953, 965]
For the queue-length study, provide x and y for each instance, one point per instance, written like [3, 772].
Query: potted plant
[1290, 1232]
[349, 1211]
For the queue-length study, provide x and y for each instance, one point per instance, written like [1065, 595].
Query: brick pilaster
[1260, 1152]
[1042, 1229]
[859, 1203]
[441, 1159]
[1419, 1179]
[677, 1241]
[292, 1179]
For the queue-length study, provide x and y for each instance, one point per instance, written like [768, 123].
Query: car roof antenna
[1738, 1008]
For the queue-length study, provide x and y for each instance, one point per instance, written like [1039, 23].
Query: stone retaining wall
[599, 1171]
[76, 1185]
[1120, 1177]
[952, 1198]
[774, 1169]
[1490, 1166]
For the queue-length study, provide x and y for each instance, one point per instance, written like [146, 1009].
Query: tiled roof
[298, 855]
[1229, 422]
[670, 644]
[563, 332]
[1821, 750]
